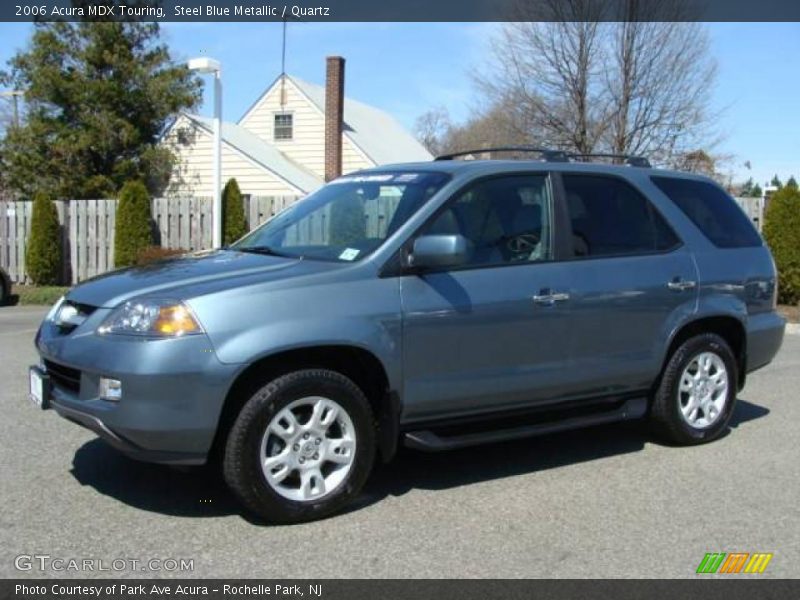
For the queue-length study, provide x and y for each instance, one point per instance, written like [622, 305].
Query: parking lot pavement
[604, 502]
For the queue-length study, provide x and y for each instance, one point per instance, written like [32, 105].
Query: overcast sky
[407, 68]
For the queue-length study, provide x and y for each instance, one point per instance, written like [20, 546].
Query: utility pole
[14, 95]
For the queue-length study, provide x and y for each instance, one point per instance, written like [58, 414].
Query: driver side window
[506, 220]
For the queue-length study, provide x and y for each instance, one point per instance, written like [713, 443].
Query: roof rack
[550, 155]
[630, 160]
[546, 153]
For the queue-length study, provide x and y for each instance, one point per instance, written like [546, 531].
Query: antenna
[283, 50]
[283, 67]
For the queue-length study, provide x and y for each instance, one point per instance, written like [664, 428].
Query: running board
[430, 441]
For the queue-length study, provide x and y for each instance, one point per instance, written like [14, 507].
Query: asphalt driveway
[604, 502]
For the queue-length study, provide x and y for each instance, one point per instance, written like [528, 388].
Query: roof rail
[630, 160]
[553, 155]
[547, 154]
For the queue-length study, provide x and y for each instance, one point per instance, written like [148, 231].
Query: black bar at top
[398, 10]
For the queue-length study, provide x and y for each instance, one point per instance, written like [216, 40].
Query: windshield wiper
[259, 250]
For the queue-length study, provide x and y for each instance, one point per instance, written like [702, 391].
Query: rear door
[631, 278]
[492, 333]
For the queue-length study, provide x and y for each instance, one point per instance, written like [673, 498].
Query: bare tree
[431, 129]
[636, 86]
[502, 123]
[659, 82]
[549, 69]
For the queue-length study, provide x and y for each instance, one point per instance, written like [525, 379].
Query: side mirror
[438, 251]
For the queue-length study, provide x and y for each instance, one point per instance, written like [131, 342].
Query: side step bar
[429, 441]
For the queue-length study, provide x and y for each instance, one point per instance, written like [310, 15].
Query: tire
[322, 484]
[5, 289]
[671, 411]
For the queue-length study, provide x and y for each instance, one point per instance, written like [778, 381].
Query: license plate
[38, 388]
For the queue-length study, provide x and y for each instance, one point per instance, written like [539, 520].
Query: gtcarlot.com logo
[734, 562]
[46, 562]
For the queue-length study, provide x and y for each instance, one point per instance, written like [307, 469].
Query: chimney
[334, 115]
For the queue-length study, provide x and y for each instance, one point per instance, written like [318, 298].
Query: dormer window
[283, 127]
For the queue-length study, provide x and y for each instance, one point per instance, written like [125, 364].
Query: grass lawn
[45, 295]
[48, 294]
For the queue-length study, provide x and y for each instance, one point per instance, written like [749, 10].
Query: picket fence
[87, 230]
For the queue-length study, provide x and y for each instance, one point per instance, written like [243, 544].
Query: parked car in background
[437, 305]
[5, 287]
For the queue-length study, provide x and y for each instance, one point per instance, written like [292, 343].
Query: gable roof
[376, 133]
[262, 153]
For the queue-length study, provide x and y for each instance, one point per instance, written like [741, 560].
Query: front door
[493, 333]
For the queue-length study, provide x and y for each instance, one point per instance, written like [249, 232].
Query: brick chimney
[334, 115]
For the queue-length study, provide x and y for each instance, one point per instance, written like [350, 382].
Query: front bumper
[173, 390]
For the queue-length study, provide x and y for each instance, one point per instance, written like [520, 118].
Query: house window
[283, 127]
[184, 138]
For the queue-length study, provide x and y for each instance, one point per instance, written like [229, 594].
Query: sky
[409, 68]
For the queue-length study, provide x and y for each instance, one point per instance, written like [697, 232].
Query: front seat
[529, 220]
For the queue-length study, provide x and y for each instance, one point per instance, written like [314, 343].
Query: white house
[279, 146]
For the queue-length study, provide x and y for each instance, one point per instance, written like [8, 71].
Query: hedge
[43, 255]
[235, 223]
[782, 233]
[133, 225]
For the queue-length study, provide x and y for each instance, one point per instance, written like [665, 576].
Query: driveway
[603, 502]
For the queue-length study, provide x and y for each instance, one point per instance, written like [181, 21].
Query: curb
[793, 328]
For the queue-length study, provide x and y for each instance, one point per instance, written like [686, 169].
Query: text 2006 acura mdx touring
[436, 305]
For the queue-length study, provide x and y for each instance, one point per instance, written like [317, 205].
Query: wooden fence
[87, 230]
[753, 208]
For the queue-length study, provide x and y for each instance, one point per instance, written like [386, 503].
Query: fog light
[110, 389]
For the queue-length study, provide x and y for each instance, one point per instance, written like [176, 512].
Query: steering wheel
[523, 244]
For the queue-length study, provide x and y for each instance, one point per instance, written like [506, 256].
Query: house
[286, 144]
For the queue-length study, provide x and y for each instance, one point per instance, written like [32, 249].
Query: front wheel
[302, 446]
[695, 399]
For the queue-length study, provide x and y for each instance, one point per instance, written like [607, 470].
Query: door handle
[680, 285]
[547, 298]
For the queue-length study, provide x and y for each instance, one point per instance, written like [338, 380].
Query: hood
[172, 278]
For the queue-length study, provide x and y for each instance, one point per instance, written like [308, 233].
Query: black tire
[665, 413]
[241, 463]
[5, 289]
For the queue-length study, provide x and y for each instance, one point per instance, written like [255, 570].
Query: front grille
[64, 377]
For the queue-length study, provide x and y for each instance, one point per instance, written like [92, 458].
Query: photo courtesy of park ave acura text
[402, 300]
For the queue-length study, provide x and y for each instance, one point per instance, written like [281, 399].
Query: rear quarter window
[714, 212]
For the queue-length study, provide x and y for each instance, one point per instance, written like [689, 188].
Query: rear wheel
[697, 393]
[302, 446]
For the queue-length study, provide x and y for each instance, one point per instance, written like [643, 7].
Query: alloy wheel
[308, 449]
[703, 390]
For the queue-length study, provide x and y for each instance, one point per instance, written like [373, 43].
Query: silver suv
[435, 305]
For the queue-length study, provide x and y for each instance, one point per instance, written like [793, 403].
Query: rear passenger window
[714, 212]
[610, 218]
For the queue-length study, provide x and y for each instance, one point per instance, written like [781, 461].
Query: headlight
[151, 318]
[54, 311]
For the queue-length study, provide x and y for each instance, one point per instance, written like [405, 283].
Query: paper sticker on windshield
[363, 179]
[406, 177]
[349, 254]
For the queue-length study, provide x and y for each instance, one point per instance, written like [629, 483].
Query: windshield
[347, 219]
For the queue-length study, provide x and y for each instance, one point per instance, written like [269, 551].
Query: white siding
[307, 147]
[193, 175]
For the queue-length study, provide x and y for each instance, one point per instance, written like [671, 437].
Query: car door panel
[476, 341]
[619, 310]
[485, 337]
[630, 276]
